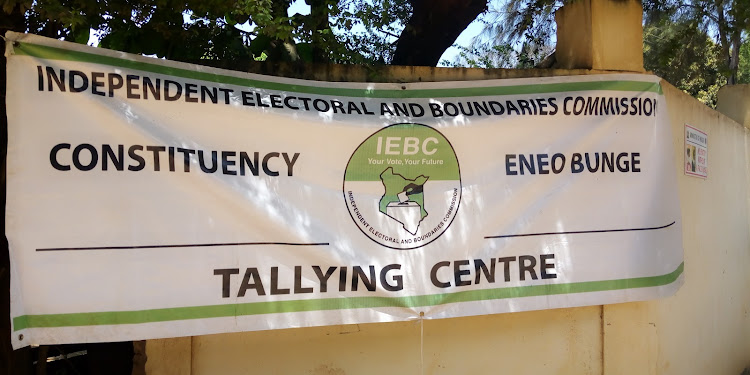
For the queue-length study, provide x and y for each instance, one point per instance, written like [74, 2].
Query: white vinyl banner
[150, 198]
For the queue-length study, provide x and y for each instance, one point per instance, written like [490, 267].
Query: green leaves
[696, 44]
[744, 65]
[334, 31]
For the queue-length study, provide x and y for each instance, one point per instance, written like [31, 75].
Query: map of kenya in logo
[402, 186]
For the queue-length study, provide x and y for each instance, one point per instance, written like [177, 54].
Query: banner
[150, 198]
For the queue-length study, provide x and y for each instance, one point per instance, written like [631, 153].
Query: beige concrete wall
[734, 101]
[169, 356]
[703, 329]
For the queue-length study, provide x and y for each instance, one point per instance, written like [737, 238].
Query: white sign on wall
[696, 152]
[149, 198]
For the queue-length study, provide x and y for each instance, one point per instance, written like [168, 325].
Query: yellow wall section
[555, 341]
[600, 34]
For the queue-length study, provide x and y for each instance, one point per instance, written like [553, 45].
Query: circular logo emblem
[402, 186]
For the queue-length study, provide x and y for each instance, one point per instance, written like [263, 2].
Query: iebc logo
[402, 186]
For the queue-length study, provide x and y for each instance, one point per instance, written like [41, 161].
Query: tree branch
[388, 33]
[700, 10]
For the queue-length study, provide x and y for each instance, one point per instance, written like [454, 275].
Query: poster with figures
[696, 152]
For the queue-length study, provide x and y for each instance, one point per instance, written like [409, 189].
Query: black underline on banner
[182, 246]
[579, 232]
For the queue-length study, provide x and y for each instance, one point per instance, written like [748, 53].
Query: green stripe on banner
[53, 53]
[260, 308]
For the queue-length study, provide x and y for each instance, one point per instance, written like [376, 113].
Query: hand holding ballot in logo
[408, 207]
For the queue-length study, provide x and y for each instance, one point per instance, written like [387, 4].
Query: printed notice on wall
[696, 152]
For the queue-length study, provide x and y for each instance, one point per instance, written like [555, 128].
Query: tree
[413, 32]
[743, 70]
[188, 30]
[684, 55]
[515, 34]
[726, 21]
[432, 28]
[698, 45]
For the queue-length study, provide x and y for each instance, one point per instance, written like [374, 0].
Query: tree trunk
[734, 57]
[724, 43]
[277, 50]
[319, 18]
[432, 28]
